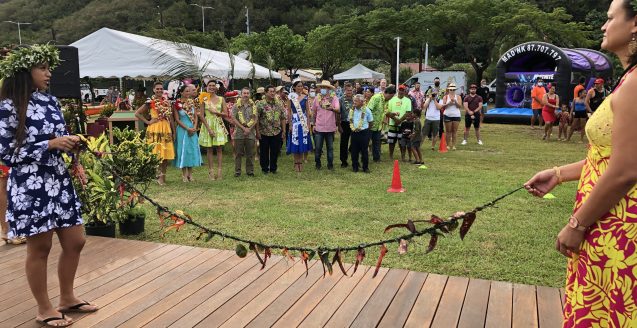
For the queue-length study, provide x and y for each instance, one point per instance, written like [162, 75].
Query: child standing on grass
[406, 129]
[416, 137]
[564, 119]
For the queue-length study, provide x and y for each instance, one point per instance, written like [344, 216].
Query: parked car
[492, 91]
[426, 79]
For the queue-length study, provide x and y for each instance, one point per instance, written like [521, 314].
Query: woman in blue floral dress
[42, 199]
[187, 152]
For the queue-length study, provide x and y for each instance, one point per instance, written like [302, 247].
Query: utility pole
[203, 17]
[161, 17]
[427, 50]
[397, 59]
[19, 33]
[247, 20]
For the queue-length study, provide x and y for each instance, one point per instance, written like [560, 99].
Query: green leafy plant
[134, 162]
[107, 110]
[99, 196]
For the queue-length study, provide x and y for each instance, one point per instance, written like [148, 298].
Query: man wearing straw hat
[325, 107]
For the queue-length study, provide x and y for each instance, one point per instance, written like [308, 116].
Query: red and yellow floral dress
[160, 132]
[601, 283]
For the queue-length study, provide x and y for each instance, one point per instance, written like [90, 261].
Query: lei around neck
[26, 58]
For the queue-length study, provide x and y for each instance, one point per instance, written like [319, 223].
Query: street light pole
[427, 51]
[19, 33]
[397, 58]
[203, 20]
[247, 21]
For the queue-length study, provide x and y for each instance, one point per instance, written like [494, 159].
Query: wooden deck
[143, 284]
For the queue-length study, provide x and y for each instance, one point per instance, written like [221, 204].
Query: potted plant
[101, 205]
[137, 166]
[106, 112]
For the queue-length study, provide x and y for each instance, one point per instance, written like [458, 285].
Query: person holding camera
[432, 117]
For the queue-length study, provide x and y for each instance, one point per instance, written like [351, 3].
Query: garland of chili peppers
[263, 251]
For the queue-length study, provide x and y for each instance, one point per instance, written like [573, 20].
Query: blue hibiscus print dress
[41, 193]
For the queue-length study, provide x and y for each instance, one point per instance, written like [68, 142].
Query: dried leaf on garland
[383, 251]
[178, 222]
[267, 253]
[435, 220]
[402, 247]
[256, 251]
[241, 251]
[121, 189]
[338, 259]
[325, 261]
[409, 226]
[360, 256]
[432, 243]
[305, 257]
[287, 255]
[466, 223]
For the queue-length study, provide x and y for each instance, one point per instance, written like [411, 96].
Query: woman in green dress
[213, 111]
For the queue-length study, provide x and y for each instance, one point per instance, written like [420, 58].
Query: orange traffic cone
[443, 144]
[396, 183]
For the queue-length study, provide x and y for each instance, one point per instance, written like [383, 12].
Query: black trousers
[269, 149]
[347, 132]
[360, 142]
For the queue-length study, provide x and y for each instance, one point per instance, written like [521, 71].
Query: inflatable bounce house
[521, 66]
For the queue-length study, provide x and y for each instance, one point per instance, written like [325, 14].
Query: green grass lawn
[513, 242]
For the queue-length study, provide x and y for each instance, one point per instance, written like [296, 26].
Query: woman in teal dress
[187, 153]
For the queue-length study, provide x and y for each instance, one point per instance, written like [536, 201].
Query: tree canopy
[330, 35]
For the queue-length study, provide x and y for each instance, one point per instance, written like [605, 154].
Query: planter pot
[102, 121]
[102, 230]
[133, 224]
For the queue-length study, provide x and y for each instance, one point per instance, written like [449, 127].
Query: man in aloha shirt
[377, 105]
[325, 106]
[245, 118]
[270, 130]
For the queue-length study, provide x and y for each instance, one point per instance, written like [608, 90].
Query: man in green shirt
[377, 105]
[397, 107]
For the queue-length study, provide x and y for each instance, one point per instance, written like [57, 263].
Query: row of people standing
[549, 111]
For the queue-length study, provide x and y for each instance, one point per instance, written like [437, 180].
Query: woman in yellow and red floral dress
[159, 131]
[600, 238]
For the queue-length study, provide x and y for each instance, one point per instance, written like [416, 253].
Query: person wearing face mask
[483, 91]
[537, 94]
[325, 107]
[436, 90]
[473, 106]
[346, 102]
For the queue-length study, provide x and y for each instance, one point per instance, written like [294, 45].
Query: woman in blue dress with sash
[187, 153]
[299, 139]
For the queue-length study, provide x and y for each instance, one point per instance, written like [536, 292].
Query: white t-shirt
[452, 110]
[433, 113]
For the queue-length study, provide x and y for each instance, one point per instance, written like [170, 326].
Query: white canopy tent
[359, 72]
[114, 54]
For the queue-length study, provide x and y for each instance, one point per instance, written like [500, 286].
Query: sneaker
[343, 165]
[480, 142]
[464, 142]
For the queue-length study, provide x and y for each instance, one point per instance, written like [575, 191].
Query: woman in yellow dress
[600, 238]
[159, 131]
[212, 112]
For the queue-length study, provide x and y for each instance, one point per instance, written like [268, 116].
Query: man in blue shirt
[361, 120]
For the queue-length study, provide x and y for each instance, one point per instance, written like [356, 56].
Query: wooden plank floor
[143, 284]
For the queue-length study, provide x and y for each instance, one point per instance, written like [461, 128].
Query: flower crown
[27, 57]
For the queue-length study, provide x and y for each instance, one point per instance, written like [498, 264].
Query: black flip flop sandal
[47, 322]
[77, 308]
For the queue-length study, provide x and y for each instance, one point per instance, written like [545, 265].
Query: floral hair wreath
[25, 58]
